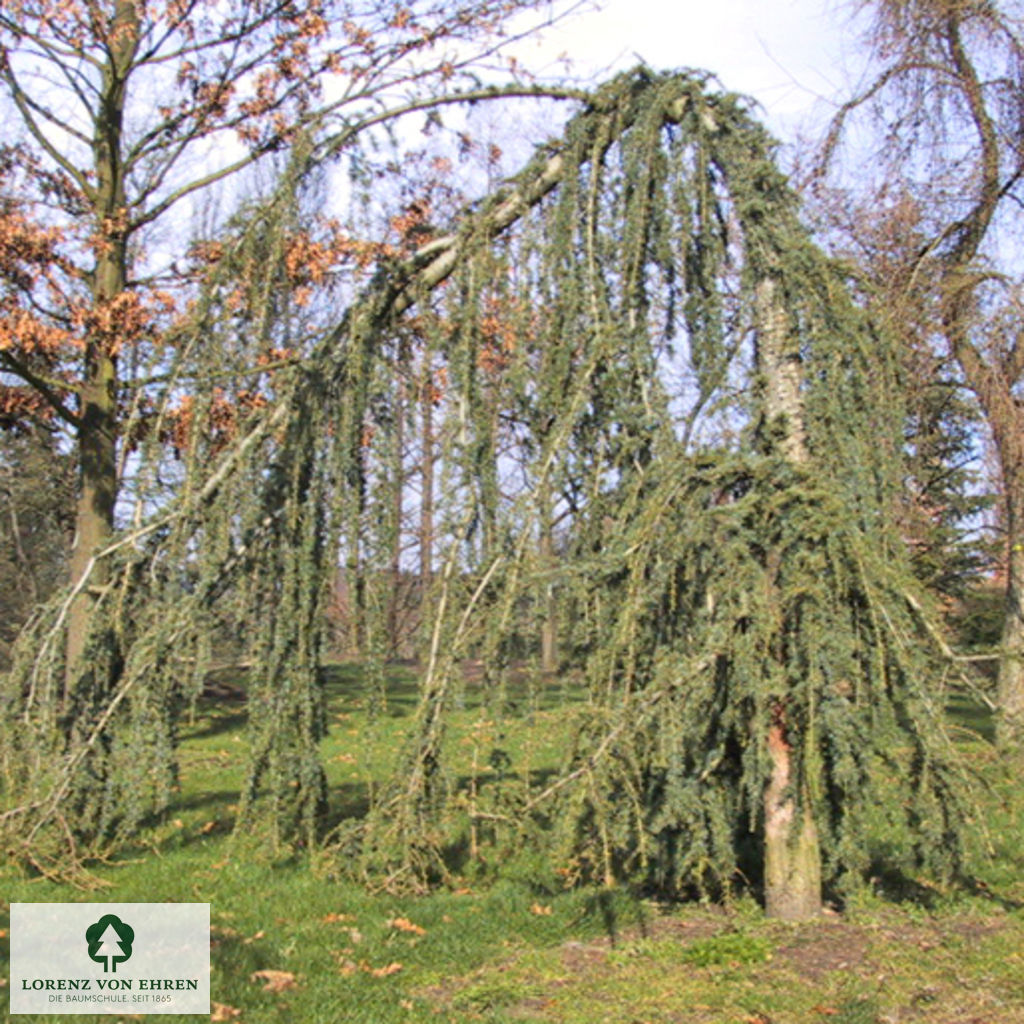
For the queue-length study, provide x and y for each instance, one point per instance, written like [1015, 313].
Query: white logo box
[124, 958]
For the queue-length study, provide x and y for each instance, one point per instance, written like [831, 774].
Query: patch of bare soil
[830, 945]
[812, 953]
[579, 957]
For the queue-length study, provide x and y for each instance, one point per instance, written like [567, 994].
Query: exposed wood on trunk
[792, 855]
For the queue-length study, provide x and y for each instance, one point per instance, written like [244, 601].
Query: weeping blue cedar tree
[727, 594]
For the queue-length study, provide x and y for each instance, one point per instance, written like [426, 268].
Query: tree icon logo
[110, 942]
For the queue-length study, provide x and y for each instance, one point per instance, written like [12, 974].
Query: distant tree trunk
[355, 567]
[792, 851]
[1007, 420]
[397, 512]
[426, 489]
[1010, 726]
[549, 625]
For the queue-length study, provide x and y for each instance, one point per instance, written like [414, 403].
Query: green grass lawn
[514, 949]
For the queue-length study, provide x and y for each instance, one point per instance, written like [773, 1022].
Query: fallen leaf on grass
[333, 918]
[403, 924]
[540, 910]
[223, 1012]
[825, 1011]
[383, 972]
[349, 967]
[208, 827]
[276, 981]
[254, 938]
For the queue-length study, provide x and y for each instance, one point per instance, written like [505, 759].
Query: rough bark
[792, 850]
[792, 854]
[779, 363]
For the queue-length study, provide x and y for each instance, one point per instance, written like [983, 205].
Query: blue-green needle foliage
[705, 585]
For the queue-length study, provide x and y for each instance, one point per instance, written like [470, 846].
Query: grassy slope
[513, 951]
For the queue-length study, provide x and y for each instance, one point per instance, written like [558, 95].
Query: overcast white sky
[791, 55]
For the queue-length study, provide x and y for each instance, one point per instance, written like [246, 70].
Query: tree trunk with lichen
[792, 850]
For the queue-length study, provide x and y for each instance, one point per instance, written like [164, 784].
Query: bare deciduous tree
[945, 104]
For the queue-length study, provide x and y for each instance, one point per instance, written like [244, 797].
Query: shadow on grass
[966, 712]
[346, 686]
[211, 721]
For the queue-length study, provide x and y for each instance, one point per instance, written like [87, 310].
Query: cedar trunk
[792, 850]
[792, 856]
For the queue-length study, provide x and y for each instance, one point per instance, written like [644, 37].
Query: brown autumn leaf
[383, 972]
[825, 1011]
[254, 938]
[208, 827]
[540, 910]
[333, 918]
[403, 924]
[276, 981]
[223, 1012]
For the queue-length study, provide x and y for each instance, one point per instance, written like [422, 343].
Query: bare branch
[48, 387]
